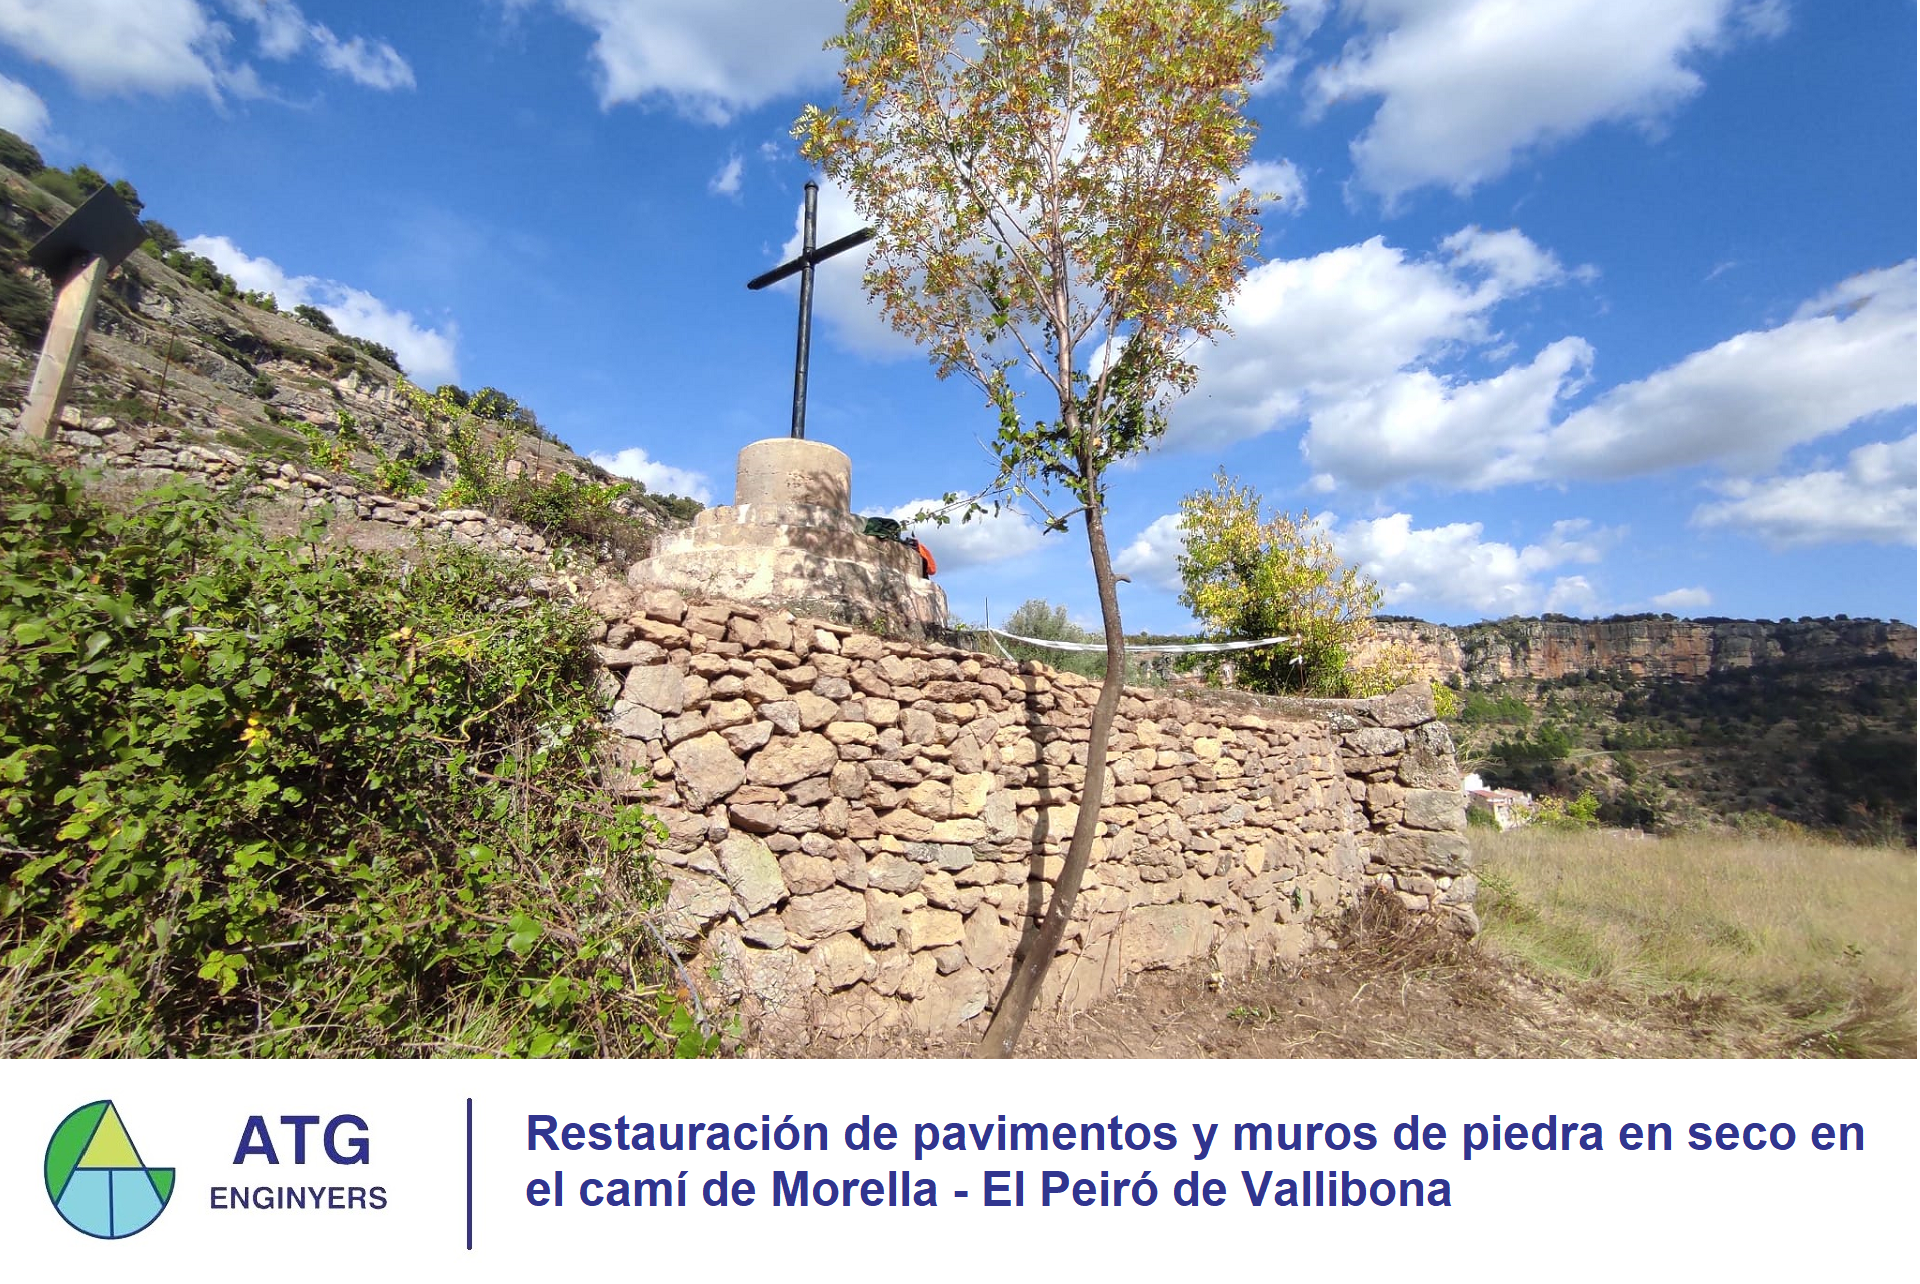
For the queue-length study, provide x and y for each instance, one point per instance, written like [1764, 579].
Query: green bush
[24, 308]
[62, 185]
[378, 351]
[576, 513]
[257, 797]
[162, 236]
[316, 318]
[19, 155]
[491, 403]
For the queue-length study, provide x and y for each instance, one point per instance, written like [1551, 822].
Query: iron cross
[804, 265]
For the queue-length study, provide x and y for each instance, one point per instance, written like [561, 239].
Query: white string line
[1187, 649]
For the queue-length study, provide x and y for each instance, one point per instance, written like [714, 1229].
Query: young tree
[1054, 184]
[1245, 577]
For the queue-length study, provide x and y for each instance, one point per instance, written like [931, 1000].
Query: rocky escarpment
[1643, 646]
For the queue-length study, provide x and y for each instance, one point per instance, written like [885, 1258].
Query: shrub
[19, 155]
[164, 237]
[61, 184]
[24, 309]
[314, 317]
[263, 387]
[491, 403]
[378, 351]
[578, 513]
[257, 797]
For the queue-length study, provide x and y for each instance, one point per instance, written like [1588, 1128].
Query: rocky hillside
[1667, 721]
[180, 357]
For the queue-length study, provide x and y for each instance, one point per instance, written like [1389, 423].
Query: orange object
[926, 558]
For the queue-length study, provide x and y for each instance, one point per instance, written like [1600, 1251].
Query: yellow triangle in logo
[110, 1147]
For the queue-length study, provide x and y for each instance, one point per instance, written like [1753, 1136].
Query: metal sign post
[76, 255]
[804, 265]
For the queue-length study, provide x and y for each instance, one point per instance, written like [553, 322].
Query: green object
[885, 528]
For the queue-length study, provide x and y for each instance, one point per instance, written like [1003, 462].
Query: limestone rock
[705, 770]
[660, 687]
[841, 961]
[823, 914]
[1166, 936]
[989, 943]
[693, 902]
[789, 759]
[930, 928]
[1437, 809]
[752, 872]
[949, 1001]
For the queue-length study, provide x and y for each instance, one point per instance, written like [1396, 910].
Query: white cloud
[164, 46]
[21, 110]
[1572, 595]
[373, 63]
[281, 27]
[1466, 87]
[710, 59]
[1871, 499]
[660, 479]
[108, 46]
[429, 354]
[1313, 332]
[1154, 555]
[1513, 261]
[1683, 599]
[1451, 566]
[988, 538]
[1844, 356]
[1350, 342]
[1416, 426]
[726, 181]
[1280, 179]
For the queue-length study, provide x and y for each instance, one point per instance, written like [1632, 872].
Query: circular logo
[96, 1179]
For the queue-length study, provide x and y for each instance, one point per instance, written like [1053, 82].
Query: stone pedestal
[791, 539]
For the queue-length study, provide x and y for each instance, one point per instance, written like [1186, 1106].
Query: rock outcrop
[1643, 646]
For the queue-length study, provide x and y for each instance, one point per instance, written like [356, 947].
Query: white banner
[950, 1170]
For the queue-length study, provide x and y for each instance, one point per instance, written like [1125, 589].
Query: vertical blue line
[469, 1174]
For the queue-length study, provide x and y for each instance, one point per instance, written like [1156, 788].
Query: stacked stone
[103, 443]
[1402, 774]
[860, 829]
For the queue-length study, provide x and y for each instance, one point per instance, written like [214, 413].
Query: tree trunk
[1030, 969]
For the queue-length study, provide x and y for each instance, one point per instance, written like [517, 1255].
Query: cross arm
[812, 257]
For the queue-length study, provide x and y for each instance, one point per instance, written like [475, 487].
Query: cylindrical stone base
[791, 470]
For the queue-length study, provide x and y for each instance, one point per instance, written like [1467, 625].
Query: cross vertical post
[804, 265]
[805, 341]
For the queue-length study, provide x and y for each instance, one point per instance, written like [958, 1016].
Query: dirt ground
[1396, 987]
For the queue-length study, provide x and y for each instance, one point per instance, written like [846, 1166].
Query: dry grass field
[1794, 939]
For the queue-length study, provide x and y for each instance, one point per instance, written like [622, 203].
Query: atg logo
[96, 1179]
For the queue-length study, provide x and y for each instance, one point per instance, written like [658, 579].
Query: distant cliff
[1644, 646]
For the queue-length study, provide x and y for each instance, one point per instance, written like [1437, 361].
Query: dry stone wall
[107, 444]
[860, 830]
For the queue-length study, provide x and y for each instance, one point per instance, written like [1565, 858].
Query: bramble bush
[259, 797]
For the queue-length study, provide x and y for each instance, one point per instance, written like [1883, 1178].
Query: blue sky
[1591, 306]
